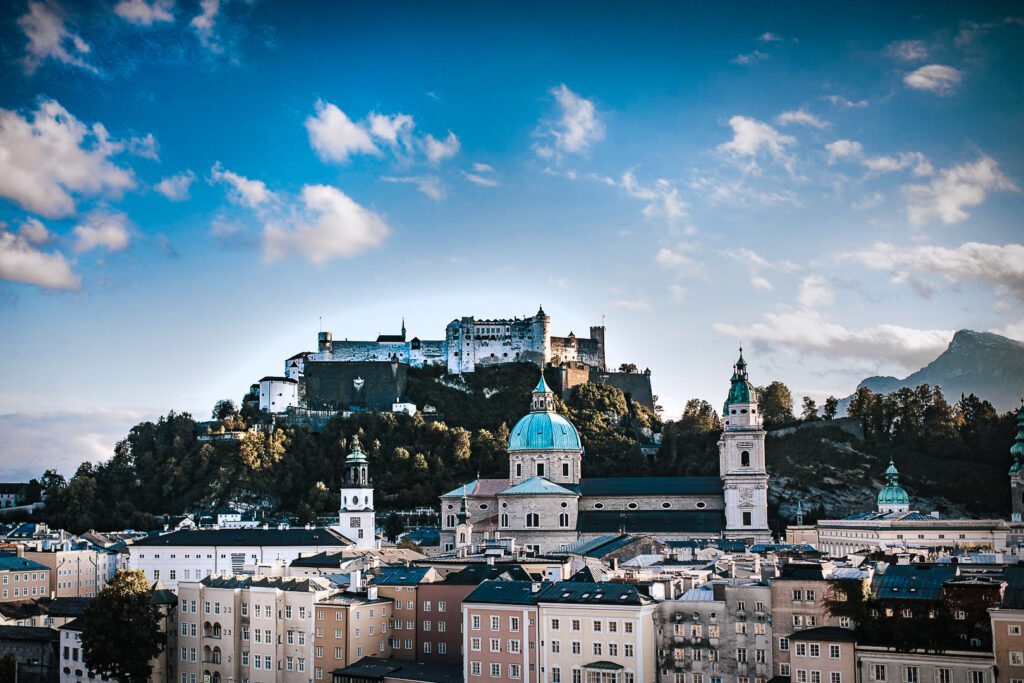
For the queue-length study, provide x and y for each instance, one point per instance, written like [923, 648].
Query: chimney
[490, 560]
[355, 580]
[371, 592]
[535, 587]
[21, 550]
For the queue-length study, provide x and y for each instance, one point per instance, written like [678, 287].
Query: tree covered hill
[954, 457]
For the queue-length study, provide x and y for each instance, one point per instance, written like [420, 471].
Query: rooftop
[505, 592]
[378, 668]
[913, 581]
[304, 584]
[401, 576]
[535, 486]
[604, 593]
[653, 486]
[830, 633]
[13, 563]
[317, 536]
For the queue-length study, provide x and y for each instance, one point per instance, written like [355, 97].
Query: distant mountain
[985, 364]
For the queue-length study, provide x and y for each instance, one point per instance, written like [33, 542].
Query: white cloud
[477, 179]
[755, 264]
[430, 185]
[49, 37]
[578, 128]
[482, 168]
[205, 24]
[35, 232]
[328, 225]
[769, 37]
[146, 147]
[393, 129]
[840, 101]
[752, 137]
[251, 193]
[335, 137]
[441, 150]
[108, 230]
[1011, 330]
[45, 160]
[176, 187]
[662, 199]
[749, 58]
[868, 202]
[948, 196]
[844, 149]
[937, 78]
[22, 261]
[908, 50]
[800, 117]
[760, 282]
[999, 265]
[145, 13]
[806, 330]
[815, 292]
[674, 259]
[635, 305]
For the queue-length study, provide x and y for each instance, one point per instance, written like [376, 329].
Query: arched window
[745, 459]
[462, 537]
[450, 520]
[504, 519]
[563, 520]
[532, 520]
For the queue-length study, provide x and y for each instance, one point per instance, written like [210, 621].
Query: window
[513, 646]
[597, 649]
[1013, 629]
[712, 630]
[513, 624]
[746, 519]
[741, 627]
[495, 670]
[798, 595]
[426, 647]
[834, 651]
[878, 672]
[575, 624]
[741, 655]
[514, 670]
[745, 459]
[911, 674]
[629, 627]
[815, 677]
[977, 677]
[474, 644]
[597, 626]
[475, 622]
[576, 647]
[801, 675]
[556, 675]
[474, 668]
[495, 644]
[835, 677]
[556, 646]
[815, 650]
[532, 520]
[540, 469]
[565, 469]
[495, 623]
[784, 669]
[801, 649]
[943, 676]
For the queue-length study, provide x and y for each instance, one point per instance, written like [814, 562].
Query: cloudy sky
[187, 188]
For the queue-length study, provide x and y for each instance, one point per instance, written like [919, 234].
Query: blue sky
[186, 188]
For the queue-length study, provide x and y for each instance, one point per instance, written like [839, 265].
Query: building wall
[473, 342]
[404, 620]
[510, 641]
[74, 573]
[956, 667]
[24, 584]
[633, 641]
[792, 611]
[372, 385]
[839, 537]
[827, 661]
[345, 632]
[1008, 644]
[445, 618]
[276, 396]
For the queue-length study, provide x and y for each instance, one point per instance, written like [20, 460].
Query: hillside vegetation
[952, 456]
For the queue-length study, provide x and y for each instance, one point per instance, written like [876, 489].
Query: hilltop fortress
[345, 374]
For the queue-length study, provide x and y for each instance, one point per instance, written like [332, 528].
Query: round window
[450, 506]
[701, 505]
[599, 506]
[565, 505]
[666, 505]
[504, 505]
[483, 506]
[632, 506]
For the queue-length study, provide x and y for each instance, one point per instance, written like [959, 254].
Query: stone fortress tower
[356, 518]
[741, 461]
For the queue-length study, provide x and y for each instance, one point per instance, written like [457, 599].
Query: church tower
[1017, 468]
[741, 461]
[356, 519]
[464, 529]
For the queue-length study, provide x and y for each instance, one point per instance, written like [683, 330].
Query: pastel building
[500, 637]
[23, 579]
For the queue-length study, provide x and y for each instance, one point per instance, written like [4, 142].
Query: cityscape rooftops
[829, 633]
[505, 592]
[13, 563]
[537, 486]
[316, 536]
[298, 584]
[603, 593]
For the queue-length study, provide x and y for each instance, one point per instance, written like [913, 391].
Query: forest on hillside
[956, 450]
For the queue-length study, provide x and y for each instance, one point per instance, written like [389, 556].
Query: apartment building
[721, 631]
[22, 579]
[798, 602]
[401, 585]
[824, 654]
[1008, 628]
[500, 638]
[879, 664]
[349, 626]
[77, 570]
[596, 633]
[248, 628]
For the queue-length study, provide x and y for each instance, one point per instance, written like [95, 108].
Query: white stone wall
[356, 518]
[742, 467]
[277, 395]
[471, 342]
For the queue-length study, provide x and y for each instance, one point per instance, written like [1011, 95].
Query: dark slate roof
[505, 592]
[77, 624]
[24, 609]
[603, 593]
[8, 487]
[306, 584]
[68, 607]
[400, 576]
[35, 633]
[1013, 596]
[228, 537]
[599, 547]
[162, 595]
[584, 575]
[331, 559]
[801, 572]
[651, 486]
[912, 581]
[478, 573]
[13, 563]
[379, 668]
[832, 633]
[650, 521]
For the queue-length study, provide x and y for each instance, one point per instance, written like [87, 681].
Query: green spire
[1017, 449]
[741, 391]
[357, 455]
[892, 493]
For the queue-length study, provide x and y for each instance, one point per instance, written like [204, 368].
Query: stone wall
[354, 385]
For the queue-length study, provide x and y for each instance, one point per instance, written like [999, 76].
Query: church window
[462, 537]
[746, 519]
[599, 506]
[540, 469]
[504, 519]
[519, 469]
[632, 506]
[563, 519]
[744, 411]
[504, 506]
[733, 411]
[666, 505]
[450, 506]
[565, 505]
[745, 459]
[565, 469]
[483, 506]
[450, 521]
[532, 520]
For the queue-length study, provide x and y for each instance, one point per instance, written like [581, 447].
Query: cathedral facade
[547, 504]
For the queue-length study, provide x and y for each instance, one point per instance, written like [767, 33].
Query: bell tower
[356, 518]
[741, 461]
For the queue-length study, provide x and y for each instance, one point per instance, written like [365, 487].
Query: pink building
[500, 632]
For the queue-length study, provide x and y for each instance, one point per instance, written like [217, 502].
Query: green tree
[260, 451]
[223, 409]
[121, 633]
[808, 410]
[699, 418]
[52, 481]
[393, 527]
[776, 403]
[831, 408]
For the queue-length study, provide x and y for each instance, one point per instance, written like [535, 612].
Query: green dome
[892, 493]
[544, 432]
[1017, 449]
[741, 391]
[356, 456]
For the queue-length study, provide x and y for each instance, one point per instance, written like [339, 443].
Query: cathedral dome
[543, 429]
[544, 432]
[892, 493]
